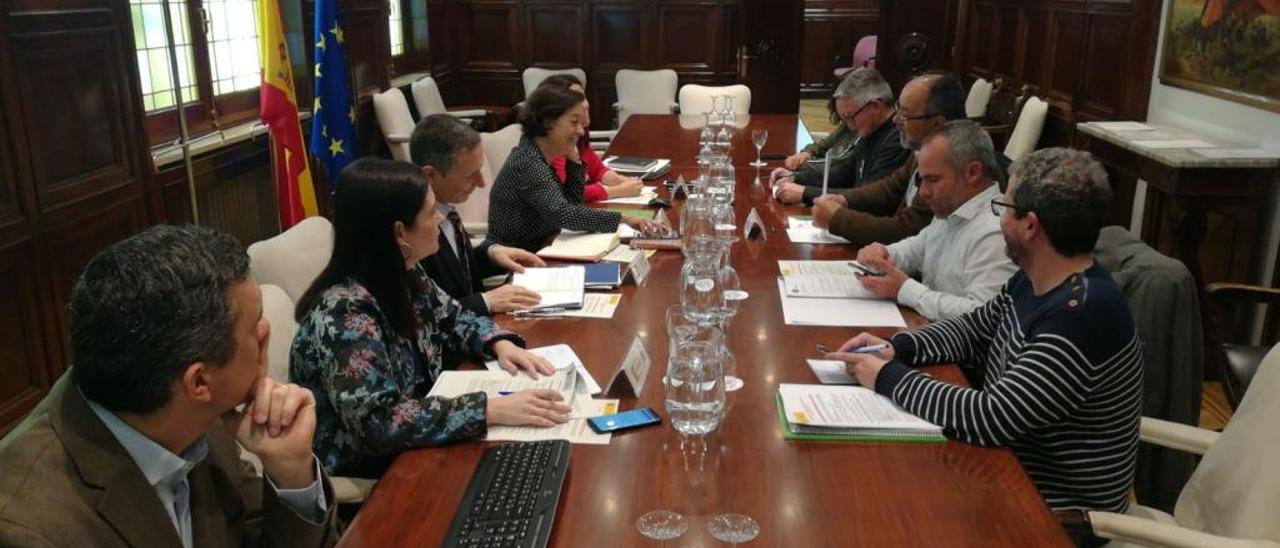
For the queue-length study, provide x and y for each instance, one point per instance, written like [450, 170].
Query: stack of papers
[564, 358]
[640, 167]
[822, 279]
[800, 230]
[854, 413]
[580, 246]
[839, 312]
[568, 381]
[560, 287]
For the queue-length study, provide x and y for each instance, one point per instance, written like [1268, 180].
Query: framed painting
[1225, 48]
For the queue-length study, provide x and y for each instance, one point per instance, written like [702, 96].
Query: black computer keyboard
[512, 497]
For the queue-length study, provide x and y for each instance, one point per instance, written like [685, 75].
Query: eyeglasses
[899, 116]
[998, 207]
[855, 114]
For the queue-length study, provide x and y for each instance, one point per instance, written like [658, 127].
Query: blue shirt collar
[158, 465]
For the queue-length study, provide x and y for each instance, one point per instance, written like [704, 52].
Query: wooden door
[75, 175]
[767, 53]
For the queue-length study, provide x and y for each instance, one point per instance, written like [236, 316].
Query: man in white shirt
[960, 256]
[137, 444]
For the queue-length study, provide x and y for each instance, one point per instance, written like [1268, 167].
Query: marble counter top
[1133, 139]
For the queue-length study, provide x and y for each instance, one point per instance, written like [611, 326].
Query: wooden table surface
[802, 494]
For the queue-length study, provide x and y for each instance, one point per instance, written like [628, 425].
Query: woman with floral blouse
[374, 330]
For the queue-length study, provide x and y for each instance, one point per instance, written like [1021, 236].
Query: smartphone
[634, 418]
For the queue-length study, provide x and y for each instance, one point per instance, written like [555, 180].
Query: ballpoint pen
[551, 310]
[869, 349]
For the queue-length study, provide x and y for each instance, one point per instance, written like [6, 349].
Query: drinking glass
[758, 138]
[701, 291]
[662, 525]
[696, 223]
[708, 135]
[695, 388]
[733, 528]
[715, 107]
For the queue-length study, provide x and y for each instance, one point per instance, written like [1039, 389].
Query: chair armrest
[471, 113]
[1228, 292]
[476, 228]
[1176, 435]
[1153, 533]
[675, 108]
[351, 490]
[397, 138]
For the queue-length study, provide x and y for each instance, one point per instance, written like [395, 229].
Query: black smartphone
[634, 418]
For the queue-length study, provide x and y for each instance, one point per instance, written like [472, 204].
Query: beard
[1013, 252]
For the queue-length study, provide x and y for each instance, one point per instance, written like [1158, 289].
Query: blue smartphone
[634, 418]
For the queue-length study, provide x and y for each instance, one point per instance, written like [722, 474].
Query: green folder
[635, 212]
[788, 434]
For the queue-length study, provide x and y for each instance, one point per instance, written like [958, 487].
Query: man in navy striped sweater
[1055, 358]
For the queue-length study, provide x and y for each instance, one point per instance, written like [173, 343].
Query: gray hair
[437, 140]
[1067, 189]
[967, 142]
[149, 306]
[864, 85]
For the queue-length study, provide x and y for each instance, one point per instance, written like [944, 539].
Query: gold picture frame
[1228, 49]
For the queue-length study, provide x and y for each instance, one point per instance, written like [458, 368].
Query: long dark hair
[373, 193]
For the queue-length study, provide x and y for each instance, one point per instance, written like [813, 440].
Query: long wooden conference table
[802, 494]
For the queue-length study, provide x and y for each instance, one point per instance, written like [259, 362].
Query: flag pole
[184, 138]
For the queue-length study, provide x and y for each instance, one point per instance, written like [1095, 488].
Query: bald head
[927, 102]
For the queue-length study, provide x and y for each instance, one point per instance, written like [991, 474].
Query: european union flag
[333, 117]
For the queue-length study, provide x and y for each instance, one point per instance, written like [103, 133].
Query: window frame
[209, 112]
[413, 58]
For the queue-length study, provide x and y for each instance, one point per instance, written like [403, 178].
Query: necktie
[463, 244]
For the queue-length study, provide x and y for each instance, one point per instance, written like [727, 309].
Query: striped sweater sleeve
[1047, 381]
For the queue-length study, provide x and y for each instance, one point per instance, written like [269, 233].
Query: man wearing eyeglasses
[864, 103]
[960, 256]
[1056, 349]
[890, 209]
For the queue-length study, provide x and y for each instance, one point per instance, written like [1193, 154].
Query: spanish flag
[279, 110]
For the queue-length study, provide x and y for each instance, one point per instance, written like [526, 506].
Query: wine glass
[662, 525]
[733, 528]
[715, 105]
[708, 135]
[758, 138]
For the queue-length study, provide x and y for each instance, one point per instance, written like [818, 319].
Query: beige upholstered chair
[395, 121]
[975, 105]
[696, 99]
[294, 258]
[1026, 133]
[1233, 498]
[427, 99]
[645, 92]
[277, 307]
[533, 76]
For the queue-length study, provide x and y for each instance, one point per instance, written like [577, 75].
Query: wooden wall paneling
[927, 23]
[620, 38]
[1033, 46]
[79, 110]
[691, 40]
[1007, 45]
[553, 35]
[981, 49]
[1102, 87]
[442, 35]
[75, 241]
[831, 29]
[769, 32]
[25, 369]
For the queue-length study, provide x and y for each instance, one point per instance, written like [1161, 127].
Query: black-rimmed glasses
[998, 207]
[855, 114]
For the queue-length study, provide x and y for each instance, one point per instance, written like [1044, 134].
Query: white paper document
[848, 407]
[563, 357]
[646, 194]
[1221, 153]
[797, 221]
[835, 287]
[1175, 143]
[831, 372]
[595, 305]
[816, 268]
[558, 286]
[813, 235]
[1123, 126]
[622, 254]
[575, 430]
[839, 312]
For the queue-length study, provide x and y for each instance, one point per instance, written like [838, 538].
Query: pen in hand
[869, 349]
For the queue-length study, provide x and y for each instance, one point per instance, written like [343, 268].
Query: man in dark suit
[136, 444]
[865, 104]
[450, 155]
